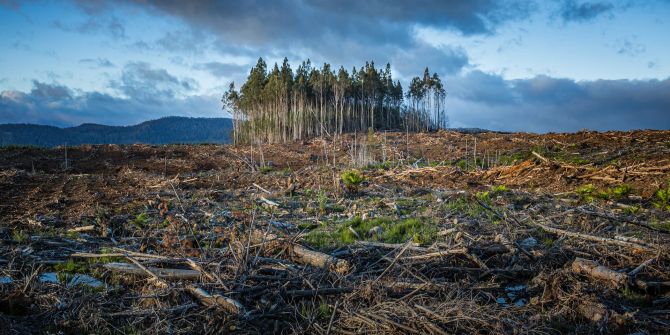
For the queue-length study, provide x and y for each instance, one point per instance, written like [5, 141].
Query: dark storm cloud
[543, 104]
[140, 81]
[55, 104]
[443, 60]
[573, 11]
[307, 21]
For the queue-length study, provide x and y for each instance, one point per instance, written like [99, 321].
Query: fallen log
[593, 238]
[594, 270]
[228, 304]
[170, 274]
[618, 280]
[303, 255]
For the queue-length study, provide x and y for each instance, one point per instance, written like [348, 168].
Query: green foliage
[585, 192]
[484, 196]
[141, 220]
[662, 200]
[72, 267]
[393, 231]
[20, 236]
[471, 209]
[588, 193]
[352, 180]
[499, 189]
[322, 199]
[266, 169]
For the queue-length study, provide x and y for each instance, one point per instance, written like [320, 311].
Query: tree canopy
[278, 105]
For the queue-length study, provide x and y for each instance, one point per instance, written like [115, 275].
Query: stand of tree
[280, 105]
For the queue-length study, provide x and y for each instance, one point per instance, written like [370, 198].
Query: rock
[528, 243]
[376, 232]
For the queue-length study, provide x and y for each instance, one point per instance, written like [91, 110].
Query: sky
[512, 65]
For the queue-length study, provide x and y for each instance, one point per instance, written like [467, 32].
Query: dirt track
[498, 228]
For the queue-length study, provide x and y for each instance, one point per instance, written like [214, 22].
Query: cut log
[170, 274]
[228, 304]
[594, 270]
[303, 255]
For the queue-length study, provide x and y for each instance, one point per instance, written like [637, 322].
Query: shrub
[663, 198]
[352, 180]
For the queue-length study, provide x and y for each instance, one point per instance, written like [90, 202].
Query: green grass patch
[392, 231]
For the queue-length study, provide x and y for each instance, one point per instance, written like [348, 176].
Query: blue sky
[538, 66]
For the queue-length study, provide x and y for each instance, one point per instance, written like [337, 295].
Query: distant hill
[162, 131]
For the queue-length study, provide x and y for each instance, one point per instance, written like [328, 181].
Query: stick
[169, 274]
[441, 253]
[592, 238]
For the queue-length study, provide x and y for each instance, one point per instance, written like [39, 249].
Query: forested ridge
[282, 105]
[160, 131]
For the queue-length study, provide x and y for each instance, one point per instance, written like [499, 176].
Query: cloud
[629, 47]
[109, 25]
[97, 62]
[144, 83]
[571, 11]
[219, 69]
[544, 104]
[55, 104]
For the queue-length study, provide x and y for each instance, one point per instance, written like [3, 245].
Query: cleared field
[442, 233]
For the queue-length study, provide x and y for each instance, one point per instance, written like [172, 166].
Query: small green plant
[484, 196]
[322, 199]
[20, 236]
[266, 169]
[141, 220]
[352, 179]
[392, 231]
[585, 192]
[663, 198]
[499, 189]
[615, 193]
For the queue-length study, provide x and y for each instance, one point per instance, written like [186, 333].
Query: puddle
[6, 280]
[77, 279]
[49, 277]
[85, 280]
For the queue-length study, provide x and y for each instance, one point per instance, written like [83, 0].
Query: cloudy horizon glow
[536, 66]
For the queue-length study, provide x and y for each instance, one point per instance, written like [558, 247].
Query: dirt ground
[448, 233]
